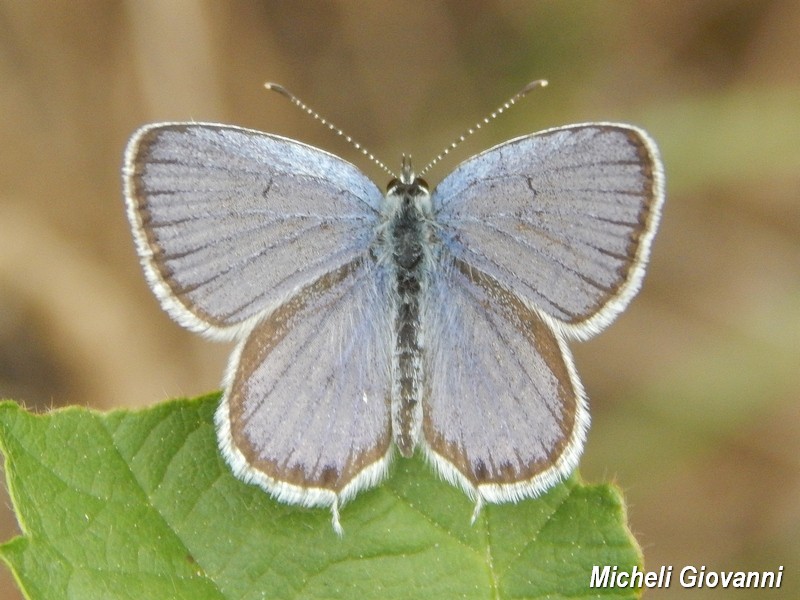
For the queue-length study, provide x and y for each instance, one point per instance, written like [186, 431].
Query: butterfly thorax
[406, 239]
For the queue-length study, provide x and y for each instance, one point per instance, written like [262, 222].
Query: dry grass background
[694, 391]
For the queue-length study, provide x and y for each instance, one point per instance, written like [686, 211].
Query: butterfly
[368, 323]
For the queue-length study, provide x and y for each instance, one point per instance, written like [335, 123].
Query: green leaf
[140, 505]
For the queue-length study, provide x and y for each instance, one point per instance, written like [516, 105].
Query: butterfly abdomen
[407, 233]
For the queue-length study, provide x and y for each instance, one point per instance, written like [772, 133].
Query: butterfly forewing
[504, 412]
[306, 412]
[563, 218]
[230, 222]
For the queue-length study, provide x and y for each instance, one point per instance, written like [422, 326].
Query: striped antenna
[485, 121]
[302, 106]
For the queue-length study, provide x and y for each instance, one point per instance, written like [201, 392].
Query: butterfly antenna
[305, 108]
[485, 121]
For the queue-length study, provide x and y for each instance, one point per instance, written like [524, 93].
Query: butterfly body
[406, 243]
[413, 319]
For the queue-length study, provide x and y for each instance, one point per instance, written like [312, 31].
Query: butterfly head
[408, 185]
[407, 194]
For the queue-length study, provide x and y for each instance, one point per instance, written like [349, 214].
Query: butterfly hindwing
[306, 407]
[504, 413]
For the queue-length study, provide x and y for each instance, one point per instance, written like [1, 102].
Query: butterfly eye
[393, 183]
[422, 184]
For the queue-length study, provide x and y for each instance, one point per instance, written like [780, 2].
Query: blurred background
[694, 390]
